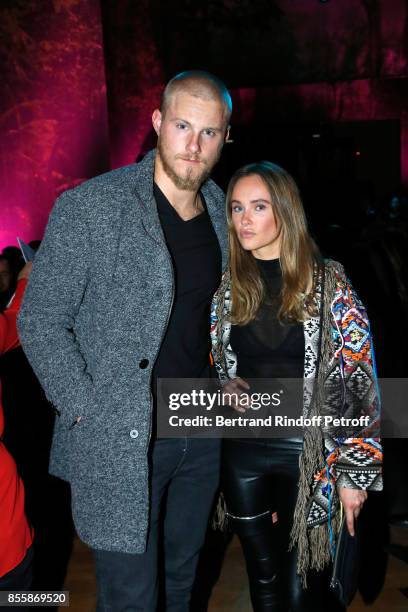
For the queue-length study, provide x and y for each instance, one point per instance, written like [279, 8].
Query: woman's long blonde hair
[298, 252]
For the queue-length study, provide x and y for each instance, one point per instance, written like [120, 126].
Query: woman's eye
[260, 207]
[236, 208]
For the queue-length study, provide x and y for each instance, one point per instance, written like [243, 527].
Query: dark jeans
[259, 478]
[18, 579]
[187, 470]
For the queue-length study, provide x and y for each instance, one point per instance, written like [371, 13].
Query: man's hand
[352, 500]
[234, 388]
[26, 271]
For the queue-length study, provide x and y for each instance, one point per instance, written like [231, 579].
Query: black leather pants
[259, 478]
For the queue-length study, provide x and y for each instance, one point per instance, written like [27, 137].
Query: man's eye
[181, 126]
[209, 133]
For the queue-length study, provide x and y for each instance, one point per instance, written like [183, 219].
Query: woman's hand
[26, 271]
[352, 500]
[234, 388]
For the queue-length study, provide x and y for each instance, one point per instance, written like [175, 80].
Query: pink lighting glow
[82, 77]
[53, 124]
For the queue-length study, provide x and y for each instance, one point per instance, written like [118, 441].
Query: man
[120, 295]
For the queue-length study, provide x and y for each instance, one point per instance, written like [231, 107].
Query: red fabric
[16, 536]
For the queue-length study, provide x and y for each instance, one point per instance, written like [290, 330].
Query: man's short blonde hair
[200, 84]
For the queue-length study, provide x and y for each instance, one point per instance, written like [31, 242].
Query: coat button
[134, 433]
[143, 364]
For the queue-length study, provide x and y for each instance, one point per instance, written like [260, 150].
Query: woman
[282, 312]
[16, 536]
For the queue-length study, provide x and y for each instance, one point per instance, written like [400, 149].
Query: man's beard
[189, 182]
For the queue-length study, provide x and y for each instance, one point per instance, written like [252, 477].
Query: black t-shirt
[265, 347]
[196, 256]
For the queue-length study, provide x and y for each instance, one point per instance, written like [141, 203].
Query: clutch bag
[346, 565]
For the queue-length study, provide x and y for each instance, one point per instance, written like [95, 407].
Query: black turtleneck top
[266, 347]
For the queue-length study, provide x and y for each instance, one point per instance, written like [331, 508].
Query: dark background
[80, 79]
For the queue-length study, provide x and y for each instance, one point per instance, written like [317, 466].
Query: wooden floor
[231, 592]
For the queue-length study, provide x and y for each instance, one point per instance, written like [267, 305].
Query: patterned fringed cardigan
[339, 379]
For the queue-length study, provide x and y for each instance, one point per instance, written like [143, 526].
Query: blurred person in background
[16, 535]
[7, 282]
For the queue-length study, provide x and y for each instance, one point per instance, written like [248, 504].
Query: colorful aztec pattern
[352, 462]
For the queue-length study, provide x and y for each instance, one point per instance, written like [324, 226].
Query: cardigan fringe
[313, 545]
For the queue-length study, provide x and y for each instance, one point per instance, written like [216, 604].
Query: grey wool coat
[94, 315]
